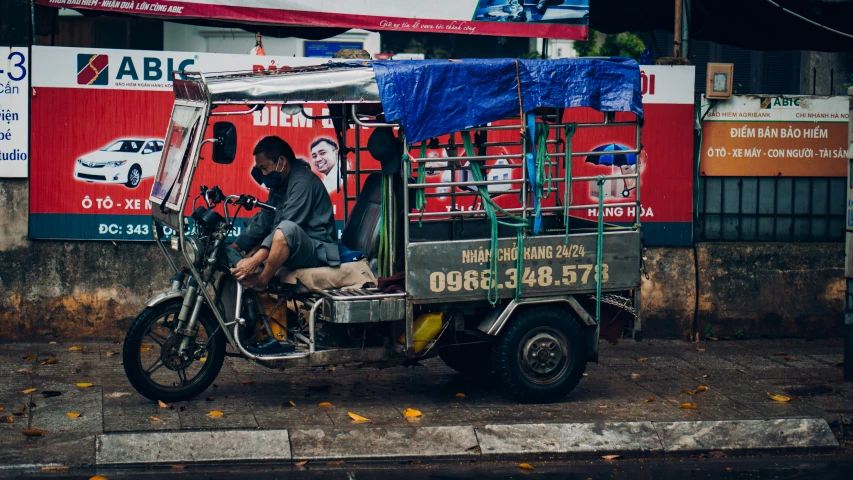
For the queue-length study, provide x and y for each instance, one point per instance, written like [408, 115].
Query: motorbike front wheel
[152, 360]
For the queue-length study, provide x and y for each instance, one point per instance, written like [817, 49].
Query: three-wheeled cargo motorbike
[509, 278]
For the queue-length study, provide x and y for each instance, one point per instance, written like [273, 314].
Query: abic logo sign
[92, 69]
[769, 103]
[152, 70]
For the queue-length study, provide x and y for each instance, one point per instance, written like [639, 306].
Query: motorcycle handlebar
[249, 202]
[264, 206]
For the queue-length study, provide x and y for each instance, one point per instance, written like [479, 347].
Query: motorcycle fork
[188, 316]
[196, 301]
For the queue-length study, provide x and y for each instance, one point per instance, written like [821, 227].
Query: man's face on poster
[325, 157]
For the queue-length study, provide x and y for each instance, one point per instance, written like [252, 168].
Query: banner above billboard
[567, 19]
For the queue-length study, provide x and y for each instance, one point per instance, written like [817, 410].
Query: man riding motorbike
[300, 233]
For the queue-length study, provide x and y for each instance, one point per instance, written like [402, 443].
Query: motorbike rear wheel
[152, 362]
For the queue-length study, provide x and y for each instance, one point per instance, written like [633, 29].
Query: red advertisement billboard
[665, 168]
[98, 121]
[99, 117]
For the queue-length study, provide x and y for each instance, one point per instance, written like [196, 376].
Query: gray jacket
[304, 201]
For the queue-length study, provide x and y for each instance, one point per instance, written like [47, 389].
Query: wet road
[826, 467]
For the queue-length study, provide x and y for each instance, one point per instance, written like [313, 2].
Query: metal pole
[848, 260]
[676, 31]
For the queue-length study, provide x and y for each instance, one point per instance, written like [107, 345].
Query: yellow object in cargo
[425, 328]
[277, 321]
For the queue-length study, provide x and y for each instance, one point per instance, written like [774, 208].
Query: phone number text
[470, 280]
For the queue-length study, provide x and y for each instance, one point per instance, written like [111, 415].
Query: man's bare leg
[279, 253]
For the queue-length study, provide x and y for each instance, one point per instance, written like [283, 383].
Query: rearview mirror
[225, 148]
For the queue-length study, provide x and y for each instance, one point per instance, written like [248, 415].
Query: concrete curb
[457, 442]
[564, 438]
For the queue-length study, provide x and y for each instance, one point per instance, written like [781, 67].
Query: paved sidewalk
[635, 382]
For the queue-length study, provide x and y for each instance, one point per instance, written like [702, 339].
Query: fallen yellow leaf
[55, 468]
[302, 463]
[1, 409]
[671, 401]
[357, 418]
[778, 398]
[34, 432]
[611, 457]
[73, 415]
[144, 348]
[84, 384]
[525, 466]
[691, 406]
[202, 359]
[162, 404]
[700, 389]
[31, 356]
[643, 359]
[29, 390]
[650, 399]
[411, 412]
[110, 354]
[215, 414]
[24, 371]
[75, 348]
[50, 361]
[98, 477]
[157, 419]
[291, 403]
[7, 419]
[460, 395]
[686, 392]
[325, 405]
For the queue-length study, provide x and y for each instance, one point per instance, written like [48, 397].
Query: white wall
[557, 48]
[190, 38]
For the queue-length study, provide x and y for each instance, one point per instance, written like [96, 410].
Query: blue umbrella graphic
[614, 159]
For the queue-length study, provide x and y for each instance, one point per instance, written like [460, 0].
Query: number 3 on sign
[19, 65]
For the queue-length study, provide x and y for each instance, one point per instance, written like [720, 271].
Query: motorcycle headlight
[191, 249]
[117, 163]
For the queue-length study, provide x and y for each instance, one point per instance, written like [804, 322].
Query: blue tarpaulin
[435, 97]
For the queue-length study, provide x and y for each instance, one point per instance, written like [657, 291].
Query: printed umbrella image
[614, 159]
[626, 161]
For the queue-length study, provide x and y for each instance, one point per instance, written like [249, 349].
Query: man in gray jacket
[300, 233]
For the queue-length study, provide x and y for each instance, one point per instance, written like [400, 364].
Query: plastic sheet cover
[435, 97]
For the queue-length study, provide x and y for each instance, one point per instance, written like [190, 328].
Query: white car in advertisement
[126, 161]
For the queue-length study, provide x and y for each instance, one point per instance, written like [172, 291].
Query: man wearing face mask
[300, 233]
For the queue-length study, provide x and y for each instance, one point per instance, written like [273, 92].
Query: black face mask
[269, 181]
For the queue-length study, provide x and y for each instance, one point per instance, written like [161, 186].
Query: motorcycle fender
[163, 297]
